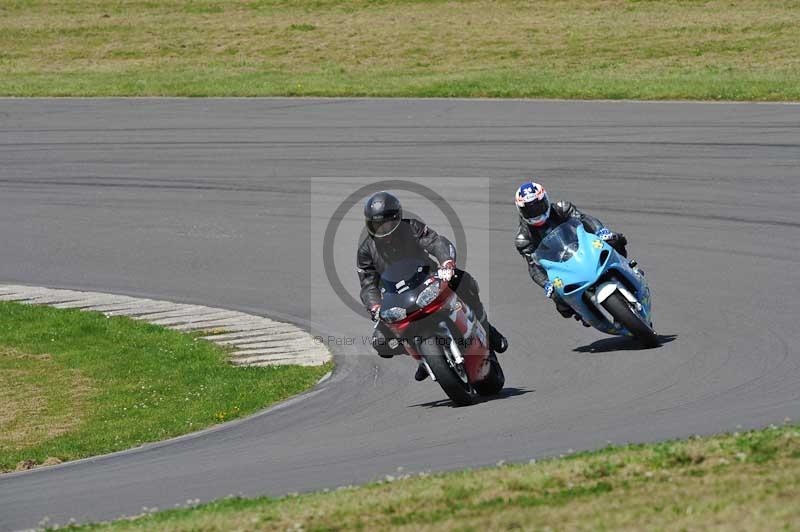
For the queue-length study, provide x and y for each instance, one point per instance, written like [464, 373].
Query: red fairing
[474, 349]
[475, 355]
[436, 305]
[399, 327]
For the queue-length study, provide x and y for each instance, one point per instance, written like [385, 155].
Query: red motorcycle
[437, 328]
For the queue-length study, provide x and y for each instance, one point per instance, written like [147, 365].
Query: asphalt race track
[212, 202]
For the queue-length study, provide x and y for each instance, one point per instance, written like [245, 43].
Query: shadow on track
[505, 393]
[621, 343]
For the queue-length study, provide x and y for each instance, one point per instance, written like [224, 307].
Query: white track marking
[223, 338]
[223, 325]
[250, 341]
[134, 310]
[254, 340]
[198, 316]
[92, 300]
[172, 311]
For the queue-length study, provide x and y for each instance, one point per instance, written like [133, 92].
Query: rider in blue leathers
[538, 216]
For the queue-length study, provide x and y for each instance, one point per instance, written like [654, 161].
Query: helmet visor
[383, 227]
[534, 210]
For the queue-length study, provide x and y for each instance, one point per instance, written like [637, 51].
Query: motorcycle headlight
[393, 314]
[427, 296]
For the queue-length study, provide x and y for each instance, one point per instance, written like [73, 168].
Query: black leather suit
[411, 239]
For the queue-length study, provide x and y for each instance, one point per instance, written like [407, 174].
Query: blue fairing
[585, 262]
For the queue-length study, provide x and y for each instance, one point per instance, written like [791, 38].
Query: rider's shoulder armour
[523, 240]
[564, 209]
[418, 228]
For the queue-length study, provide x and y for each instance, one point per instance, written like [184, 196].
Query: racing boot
[583, 321]
[563, 309]
[422, 373]
[497, 342]
[386, 347]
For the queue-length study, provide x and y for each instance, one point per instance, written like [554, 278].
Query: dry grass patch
[38, 399]
[739, 49]
[75, 384]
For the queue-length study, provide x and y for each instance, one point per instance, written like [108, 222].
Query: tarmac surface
[224, 202]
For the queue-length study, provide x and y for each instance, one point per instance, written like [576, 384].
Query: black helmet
[382, 214]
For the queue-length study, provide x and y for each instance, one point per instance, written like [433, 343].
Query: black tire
[460, 392]
[620, 308]
[494, 381]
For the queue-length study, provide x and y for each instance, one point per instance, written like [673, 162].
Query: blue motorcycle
[597, 282]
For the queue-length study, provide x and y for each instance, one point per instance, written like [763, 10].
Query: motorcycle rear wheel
[460, 392]
[620, 308]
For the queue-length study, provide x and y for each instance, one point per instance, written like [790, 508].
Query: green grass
[76, 384]
[718, 50]
[746, 481]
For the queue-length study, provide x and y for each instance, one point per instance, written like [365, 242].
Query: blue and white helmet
[532, 203]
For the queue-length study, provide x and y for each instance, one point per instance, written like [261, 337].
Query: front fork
[452, 351]
[598, 295]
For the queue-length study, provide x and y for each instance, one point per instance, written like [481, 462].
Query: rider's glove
[606, 235]
[548, 289]
[375, 312]
[446, 270]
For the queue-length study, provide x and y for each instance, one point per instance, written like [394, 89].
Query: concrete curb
[255, 340]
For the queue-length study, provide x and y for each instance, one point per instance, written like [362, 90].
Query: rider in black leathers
[537, 218]
[392, 237]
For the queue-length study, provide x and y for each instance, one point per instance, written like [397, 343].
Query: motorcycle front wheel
[620, 308]
[494, 381]
[451, 377]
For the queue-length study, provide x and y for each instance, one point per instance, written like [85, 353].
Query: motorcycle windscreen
[403, 275]
[576, 257]
[560, 244]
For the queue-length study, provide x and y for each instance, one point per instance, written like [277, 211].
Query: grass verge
[731, 49]
[76, 384]
[746, 481]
